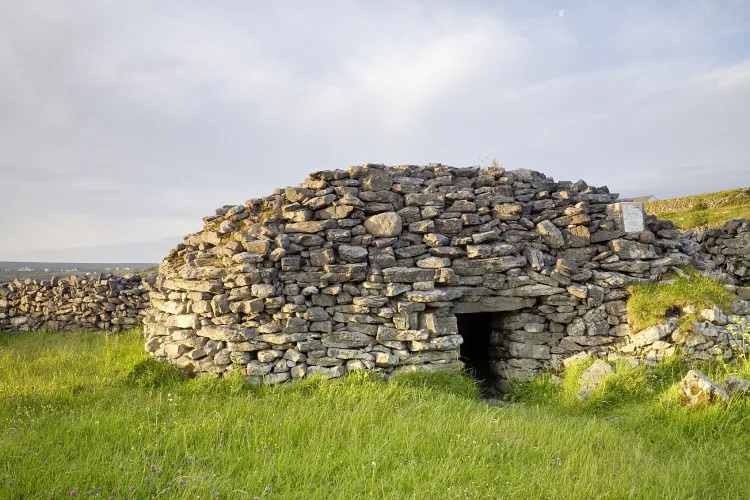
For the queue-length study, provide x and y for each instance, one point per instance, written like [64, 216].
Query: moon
[561, 13]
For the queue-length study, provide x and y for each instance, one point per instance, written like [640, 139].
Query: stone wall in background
[105, 302]
[729, 248]
[370, 268]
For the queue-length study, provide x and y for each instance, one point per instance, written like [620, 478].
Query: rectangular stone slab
[480, 267]
[629, 216]
[493, 304]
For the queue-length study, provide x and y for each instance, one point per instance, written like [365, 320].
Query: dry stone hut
[409, 267]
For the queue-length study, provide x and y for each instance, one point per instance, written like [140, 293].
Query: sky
[122, 124]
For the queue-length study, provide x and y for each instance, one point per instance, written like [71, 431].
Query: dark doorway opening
[476, 330]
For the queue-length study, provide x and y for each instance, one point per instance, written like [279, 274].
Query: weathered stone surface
[493, 304]
[257, 246]
[439, 295]
[347, 340]
[550, 234]
[578, 236]
[339, 273]
[440, 326]
[353, 254]
[408, 275]
[247, 306]
[385, 225]
[519, 350]
[535, 290]
[386, 333]
[698, 390]
[447, 343]
[433, 262]
[592, 377]
[210, 286]
[581, 357]
[312, 226]
[628, 249]
[479, 267]
[233, 333]
[386, 360]
[507, 211]
[326, 373]
[298, 194]
[377, 180]
[425, 199]
[184, 321]
[715, 315]
[602, 236]
[735, 385]
[648, 336]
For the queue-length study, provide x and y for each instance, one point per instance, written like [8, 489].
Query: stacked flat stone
[366, 268]
[715, 334]
[104, 302]
[729, 248]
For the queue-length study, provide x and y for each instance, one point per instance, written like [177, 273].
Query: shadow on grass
[153, 374]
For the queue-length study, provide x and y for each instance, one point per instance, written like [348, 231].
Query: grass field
[89, 415]
[707, 210]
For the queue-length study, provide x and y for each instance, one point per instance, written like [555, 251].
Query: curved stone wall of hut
[394, 268]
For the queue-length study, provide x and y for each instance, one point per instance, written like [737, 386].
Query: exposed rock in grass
[735, 385]
[581, 357]
[592, 377]
[699, 390]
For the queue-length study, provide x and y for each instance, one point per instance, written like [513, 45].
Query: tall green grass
[90, 414]
[651, 304]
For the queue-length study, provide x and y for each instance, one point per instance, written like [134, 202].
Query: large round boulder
[385, 225]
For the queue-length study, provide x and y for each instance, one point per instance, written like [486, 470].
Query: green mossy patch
[652, 304]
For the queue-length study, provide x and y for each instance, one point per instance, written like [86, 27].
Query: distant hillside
[703, 210]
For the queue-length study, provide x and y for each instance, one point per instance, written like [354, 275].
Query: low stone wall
[104, 302]
[705, 201]
[729, 248]
[711, 334]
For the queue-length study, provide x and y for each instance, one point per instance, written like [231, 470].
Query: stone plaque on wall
[632, 217]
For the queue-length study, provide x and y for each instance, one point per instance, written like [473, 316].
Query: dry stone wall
[729, 248]
[712, 334]
[104, 302]
[368, 268]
